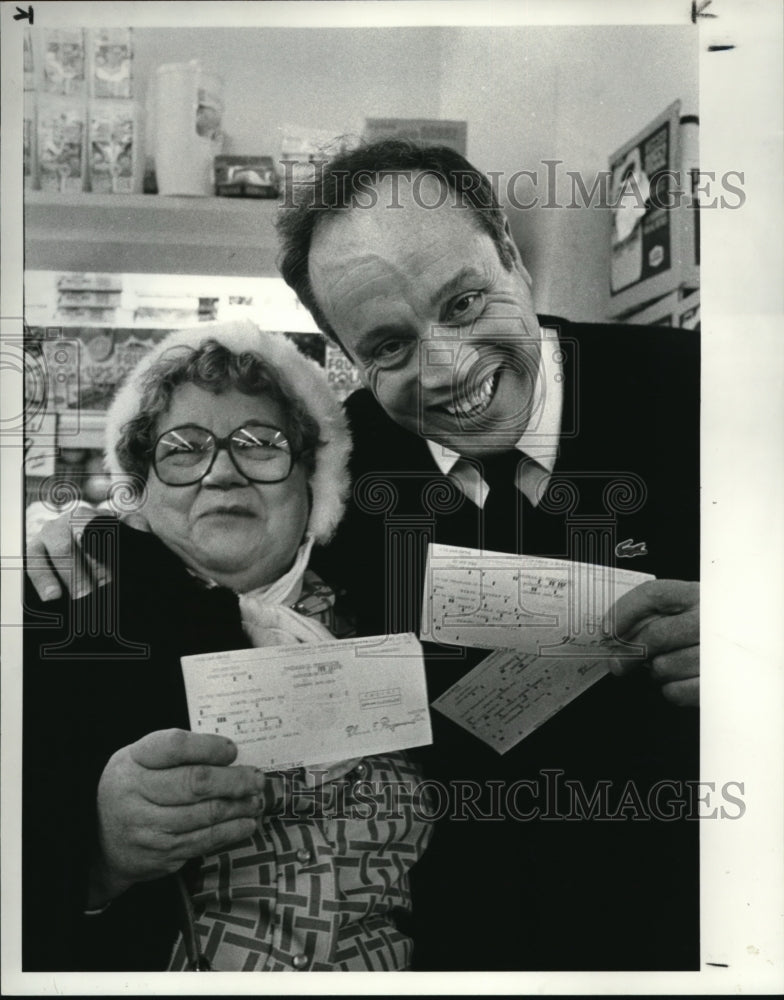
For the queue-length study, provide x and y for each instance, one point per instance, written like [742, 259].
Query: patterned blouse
[323, 882]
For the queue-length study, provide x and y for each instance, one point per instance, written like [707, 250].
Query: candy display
[113, 147]
[63, 61]
[112, 62]
[61, 131]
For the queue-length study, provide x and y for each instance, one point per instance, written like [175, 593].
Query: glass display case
[88, 321]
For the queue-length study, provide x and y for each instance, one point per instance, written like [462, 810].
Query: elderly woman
[143, 847]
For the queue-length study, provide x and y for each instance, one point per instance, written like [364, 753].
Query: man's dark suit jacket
[552, 894]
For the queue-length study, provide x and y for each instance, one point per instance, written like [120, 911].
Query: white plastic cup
[183, 158]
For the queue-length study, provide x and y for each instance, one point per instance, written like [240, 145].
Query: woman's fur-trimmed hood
[329, 483]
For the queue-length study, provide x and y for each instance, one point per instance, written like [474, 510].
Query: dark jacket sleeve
[100, 673]
[64, 752]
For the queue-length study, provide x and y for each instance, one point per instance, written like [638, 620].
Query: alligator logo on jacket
[628, 549]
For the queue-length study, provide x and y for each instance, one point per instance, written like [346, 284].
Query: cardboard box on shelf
[428, 131]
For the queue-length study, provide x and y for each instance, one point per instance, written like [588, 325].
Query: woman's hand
[169, 797]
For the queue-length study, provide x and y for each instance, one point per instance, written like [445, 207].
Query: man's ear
[514, 253]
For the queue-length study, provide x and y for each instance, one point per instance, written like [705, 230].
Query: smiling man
[482, 425]
[441, 325]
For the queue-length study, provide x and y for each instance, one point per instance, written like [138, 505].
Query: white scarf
[269, 620]
[267, 616]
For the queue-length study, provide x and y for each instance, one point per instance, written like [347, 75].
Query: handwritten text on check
[493, 600]
[543, 618]
[292, 706]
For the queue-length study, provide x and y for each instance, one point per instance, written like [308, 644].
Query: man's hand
[663, 616]
[169, 797]
[55, 560]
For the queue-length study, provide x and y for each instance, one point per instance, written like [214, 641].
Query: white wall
[320, 78]
[571, 94]
[528, 94]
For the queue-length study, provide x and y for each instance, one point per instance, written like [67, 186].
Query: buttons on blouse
[300, 961]
[357, 776]
[358, 772]
[304, 855]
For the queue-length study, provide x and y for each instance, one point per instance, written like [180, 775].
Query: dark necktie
[503, 509]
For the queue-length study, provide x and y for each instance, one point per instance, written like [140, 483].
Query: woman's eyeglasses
[184, 455]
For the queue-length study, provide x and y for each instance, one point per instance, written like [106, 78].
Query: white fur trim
[330, 482]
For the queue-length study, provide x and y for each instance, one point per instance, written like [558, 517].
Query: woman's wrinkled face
[239, 533]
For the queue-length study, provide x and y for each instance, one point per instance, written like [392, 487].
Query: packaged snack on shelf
[88, 297]
[245, 177]
[111, 62]
[113, 147]
[89, 280]
[28, 141]
[155, 315]
[61, 132]
[63, 61]
[303, 149]
[84, 315]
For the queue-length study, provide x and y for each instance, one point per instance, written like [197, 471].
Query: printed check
[290, 706]
[494, 600]
[543, 618]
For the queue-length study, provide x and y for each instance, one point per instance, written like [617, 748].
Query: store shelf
[150, 234]
[81, 429]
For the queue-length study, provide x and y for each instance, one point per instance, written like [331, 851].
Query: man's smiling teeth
[475, 403]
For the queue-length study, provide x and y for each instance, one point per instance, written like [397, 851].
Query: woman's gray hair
[221, 356]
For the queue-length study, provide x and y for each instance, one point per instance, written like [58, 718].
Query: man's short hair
[337, 182]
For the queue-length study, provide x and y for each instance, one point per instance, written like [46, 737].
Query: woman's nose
[224, 473]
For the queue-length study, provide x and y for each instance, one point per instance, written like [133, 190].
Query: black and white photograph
[392, 497]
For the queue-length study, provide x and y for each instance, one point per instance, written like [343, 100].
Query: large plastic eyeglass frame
[221, 444]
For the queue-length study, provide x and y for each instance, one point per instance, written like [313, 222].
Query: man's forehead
[398, 205]
[353, 267]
